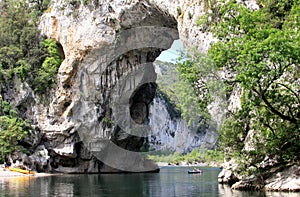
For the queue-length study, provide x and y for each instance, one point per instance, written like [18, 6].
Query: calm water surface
[171, 181]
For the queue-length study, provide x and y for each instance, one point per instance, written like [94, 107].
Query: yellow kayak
[21, 170]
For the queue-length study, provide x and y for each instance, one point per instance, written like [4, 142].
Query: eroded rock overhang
[109, 49]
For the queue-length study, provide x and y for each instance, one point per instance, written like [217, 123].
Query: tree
[22, 53]
[12, 129]
[46, 76]
[262, 48]
[175, 82]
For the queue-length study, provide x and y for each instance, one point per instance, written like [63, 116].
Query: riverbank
[5, 173]
[187, 164]
[275, 178]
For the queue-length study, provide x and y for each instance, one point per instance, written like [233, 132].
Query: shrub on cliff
[22, 55]
[12, 130]
[22, 52]
[46, 75]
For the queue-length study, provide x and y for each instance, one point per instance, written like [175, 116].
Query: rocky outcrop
[227, 177]
[287, 180]
[273, 177]
[173, 133]
[101, 111]
[105, 105]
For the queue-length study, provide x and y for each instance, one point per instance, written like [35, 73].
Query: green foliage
[181, 93]
[21, 55]
[12, 129]
[18, 31]
[7, 109]
[212, 156]
[46, 76]
[174, 157]
[202, 77]
[21, 52]
[38, 8]
[233, 135]
[205, 156]
[262, 48]
[22, 70]
[85, 2]
[193, 156]
[165, 156]
[9, 56]
[202, 21]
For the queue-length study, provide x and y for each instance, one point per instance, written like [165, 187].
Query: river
[171, 181]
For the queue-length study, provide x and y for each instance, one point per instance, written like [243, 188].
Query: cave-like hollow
[115, 93]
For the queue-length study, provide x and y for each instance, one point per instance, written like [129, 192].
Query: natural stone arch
[95, 88]
[96, 60]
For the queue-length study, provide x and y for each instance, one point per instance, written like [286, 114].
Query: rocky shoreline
[278, 179]
[286, 180]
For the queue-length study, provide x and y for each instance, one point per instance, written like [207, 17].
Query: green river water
[171, 181]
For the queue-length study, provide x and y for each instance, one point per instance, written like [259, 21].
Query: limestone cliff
[104, 105]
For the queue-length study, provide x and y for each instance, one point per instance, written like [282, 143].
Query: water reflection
[170, 181]
[15, 186]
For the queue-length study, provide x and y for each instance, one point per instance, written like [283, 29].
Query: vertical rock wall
[104, 81]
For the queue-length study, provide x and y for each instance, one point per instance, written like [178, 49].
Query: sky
[173, 53]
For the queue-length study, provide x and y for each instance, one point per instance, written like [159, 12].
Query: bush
[46, 76]
[12, 129]
[261, 47]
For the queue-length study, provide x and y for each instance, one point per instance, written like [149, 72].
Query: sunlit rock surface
[105, 104]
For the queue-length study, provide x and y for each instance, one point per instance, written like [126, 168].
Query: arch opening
[117, 88]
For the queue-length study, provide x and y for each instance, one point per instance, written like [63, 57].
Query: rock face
[168, 130]
[287, 180]
[275, 178]
[174, 134]
[105, 104]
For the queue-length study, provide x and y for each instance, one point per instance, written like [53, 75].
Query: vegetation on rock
[180, 92]
[262, 48]
[26, 55]
[22, 52]
[12, 130]
[261, 51]
[203, 156]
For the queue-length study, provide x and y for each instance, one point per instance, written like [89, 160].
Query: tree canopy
[23, 51]
[262, 48]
